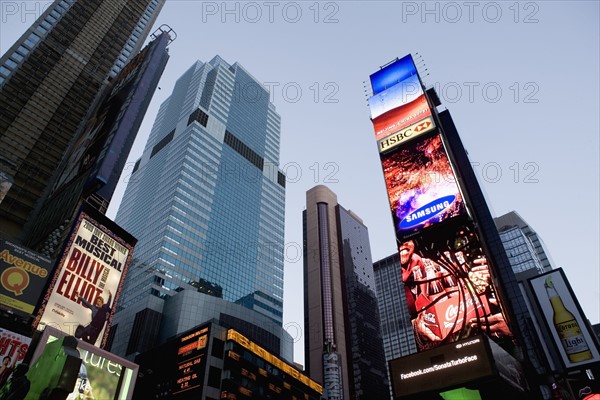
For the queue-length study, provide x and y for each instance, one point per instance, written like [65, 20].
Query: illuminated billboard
[446, 366]
[87, 282]
[100, 375]
[421, 186]
[392, 74]
[394, 140]
[448, 286]
[402, 93]
[191, 361]
[23, 275]
[13, 348]
[401, 117]
[564, 319]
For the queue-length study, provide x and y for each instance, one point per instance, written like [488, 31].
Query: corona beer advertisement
[88, 280]
[448, 286]
[564, 319]
[23, 275]
[421, 186]
[13, 348]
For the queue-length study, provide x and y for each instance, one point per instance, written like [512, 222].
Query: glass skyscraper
[49, 79]
[206, 199]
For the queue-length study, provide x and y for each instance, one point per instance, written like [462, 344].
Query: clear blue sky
[521, 80]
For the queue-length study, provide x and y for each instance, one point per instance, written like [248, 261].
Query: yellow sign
[270, 358]
[395, 139]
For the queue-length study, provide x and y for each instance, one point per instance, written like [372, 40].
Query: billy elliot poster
[84, 290]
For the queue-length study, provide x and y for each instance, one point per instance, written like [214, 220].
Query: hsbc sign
[395, 139]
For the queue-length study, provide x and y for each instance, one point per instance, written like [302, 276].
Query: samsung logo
[426, 212]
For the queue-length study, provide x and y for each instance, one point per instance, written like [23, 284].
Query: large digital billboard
[401, 117]
[564, 319]
[448, 286]
[23, 275]
[421, 186]
[191, 361]
[440, 368]
[402, 93]
[392, 74]
[101, 375]
[87, 283]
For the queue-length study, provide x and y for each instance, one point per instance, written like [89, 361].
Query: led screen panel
[392, 74]
[23, 275]
[88, 280]
[446, 366]
[402, 93]
[191, 362]
[448, 286]
[389, 143]
[421, 186]
[401, 117]
[564, 319]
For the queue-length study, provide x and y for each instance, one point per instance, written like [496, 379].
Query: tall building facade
[525, 249]
[343, 347]
[396, 326]
[49, 79]
[206, 202]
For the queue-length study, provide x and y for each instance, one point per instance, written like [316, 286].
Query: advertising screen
[421, 186]
[448, 286]
[99, 374]
[401, 117]
[191, 361]
[440, 368]
[402, 93]
[23, 275]
[402, 136]
[564, 319]
[392, 74]
[88, 280]
[13, 348]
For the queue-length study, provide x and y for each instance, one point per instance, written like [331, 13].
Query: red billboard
[448, 286]
[86, 285]
[421, 186]
[401, 117]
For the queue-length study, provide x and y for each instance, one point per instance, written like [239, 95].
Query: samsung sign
[426, 212]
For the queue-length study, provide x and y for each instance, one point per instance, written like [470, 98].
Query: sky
[521, 80]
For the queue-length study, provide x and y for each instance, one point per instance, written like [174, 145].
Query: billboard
[86, 285]
[564, 319]
[23, 275]
[13, 348]
[421, 186]
[392, 74]
[101, 375]
[446, 366]
[191, 361]
[394, 140]
[448, 286]
[401, 117]
[402, 93]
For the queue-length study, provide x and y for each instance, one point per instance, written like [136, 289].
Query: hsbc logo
[403, 135]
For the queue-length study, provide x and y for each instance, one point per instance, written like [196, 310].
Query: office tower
[93, 163]
[524, 247]
[206, 203]
[343, 347]
[396, 327]
[219, 363]
[48, 80]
